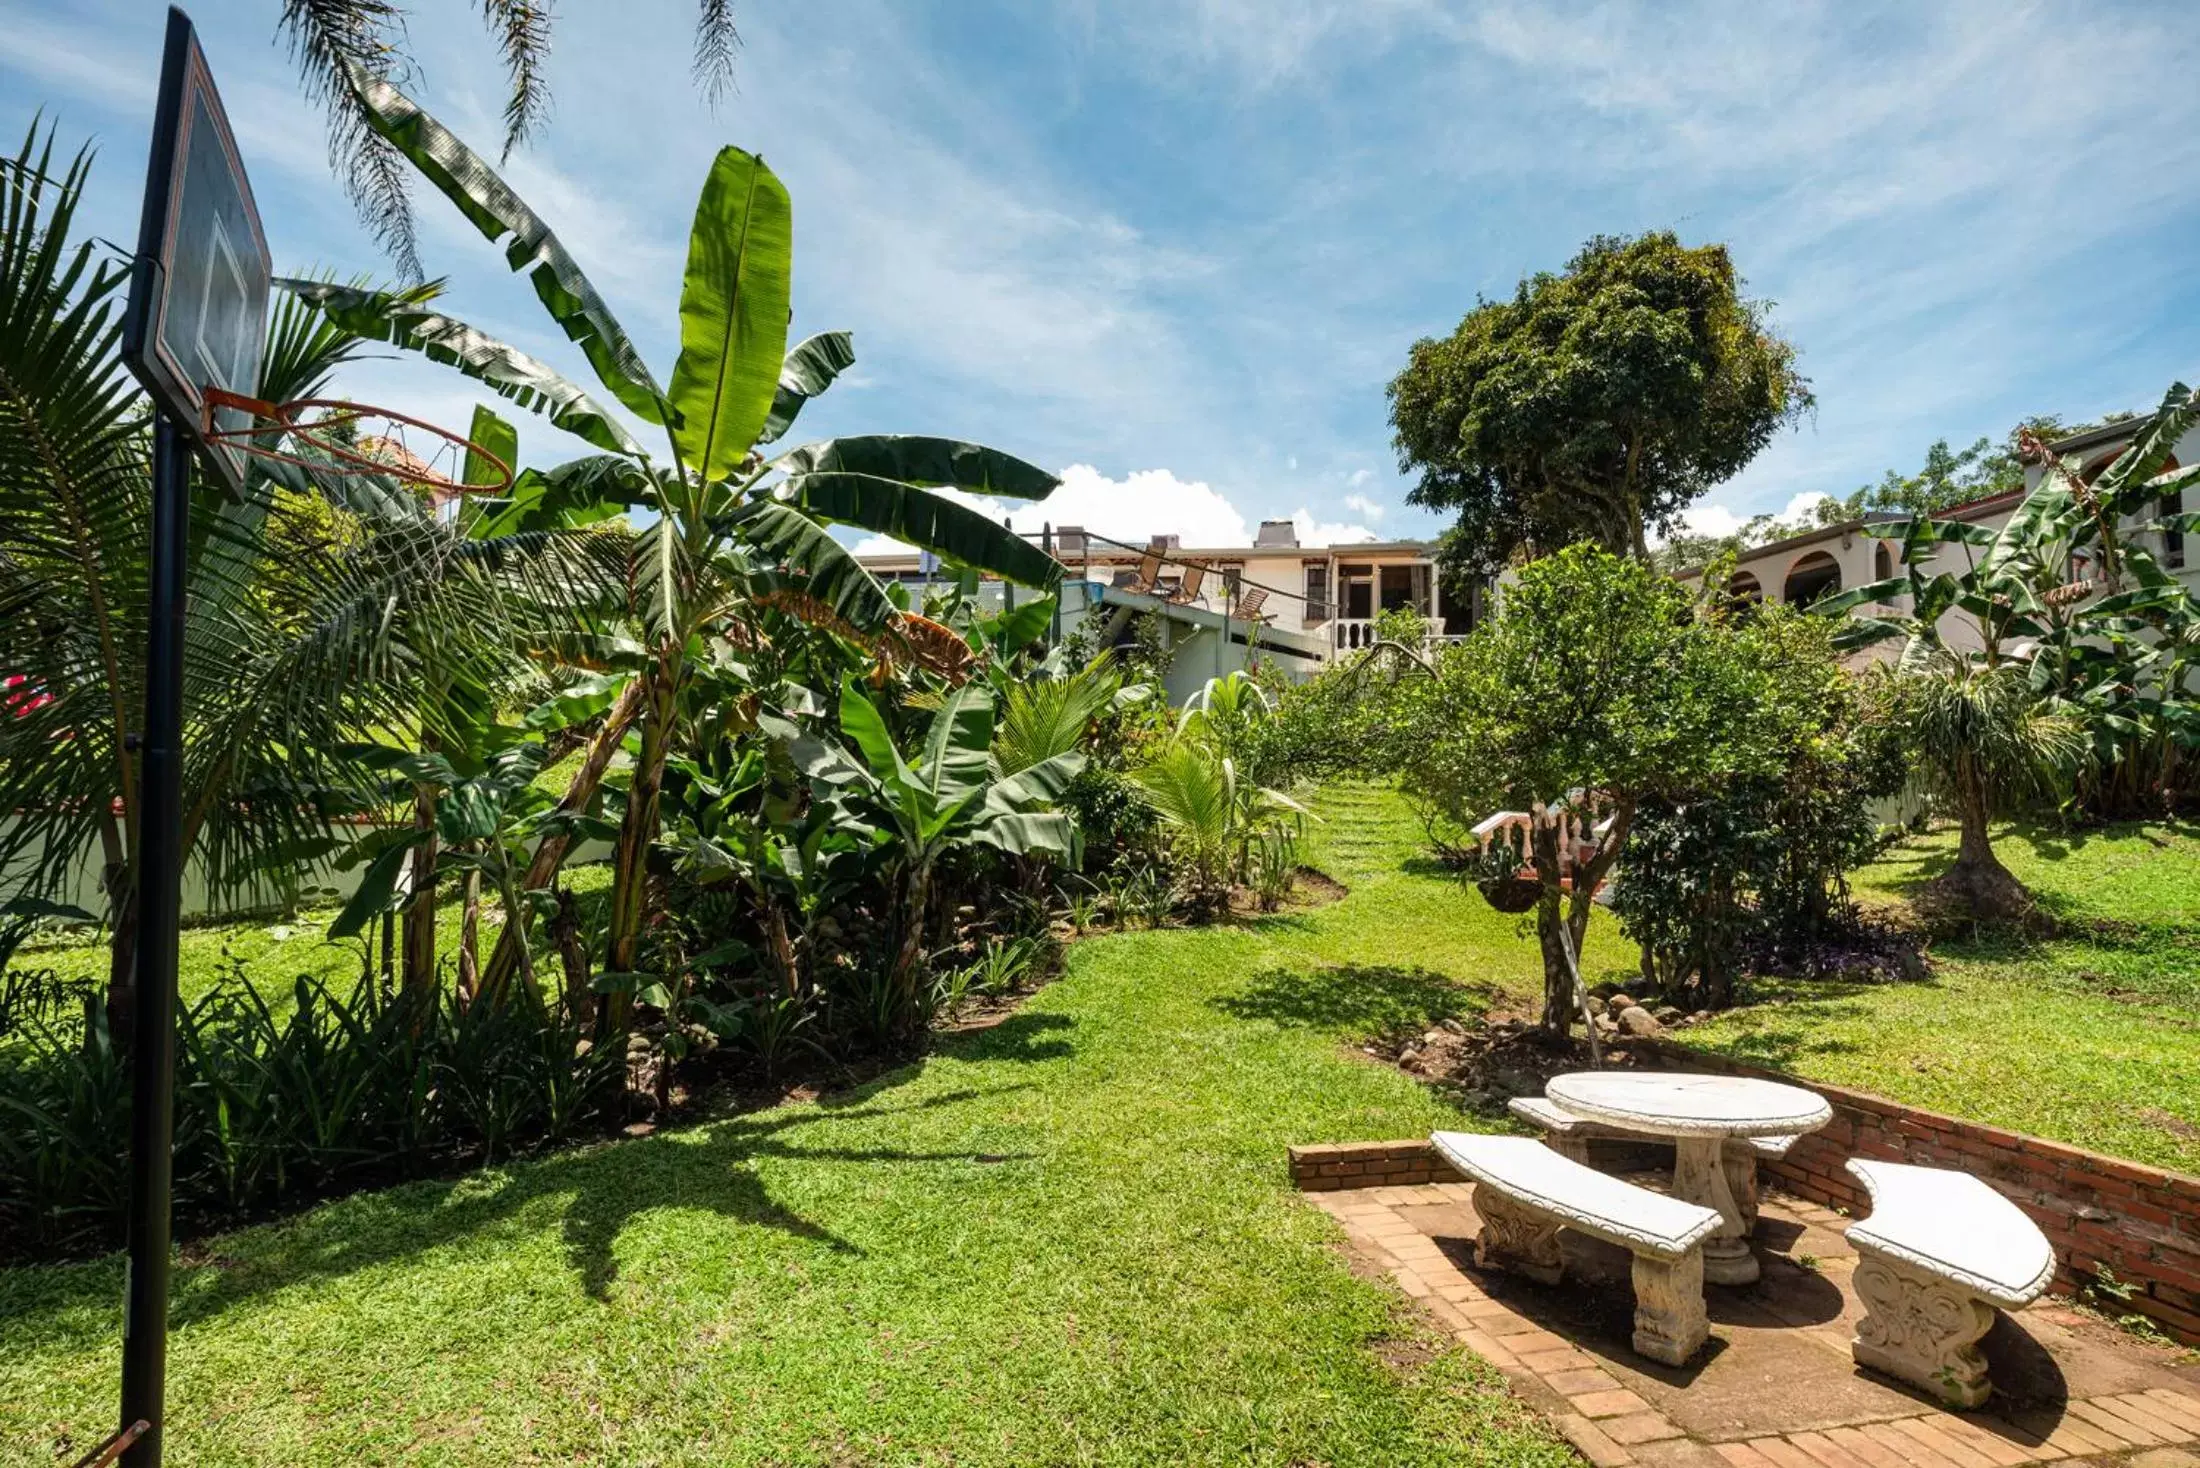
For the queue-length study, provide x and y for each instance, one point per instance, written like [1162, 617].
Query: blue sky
[1185, 243]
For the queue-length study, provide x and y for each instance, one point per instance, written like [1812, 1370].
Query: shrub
[274, 1110]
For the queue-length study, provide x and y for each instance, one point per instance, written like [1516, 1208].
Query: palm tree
[331, 39]
[293, 656]
[1982, 739]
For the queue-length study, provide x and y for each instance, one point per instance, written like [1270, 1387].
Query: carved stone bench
[1940, 1252]
[1525, 1193]
[1569, 1136]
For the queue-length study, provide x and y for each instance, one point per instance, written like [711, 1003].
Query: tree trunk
[122, 947]
[1551, 925]
[630, 871]
[419, 937]
[780, 945]
[909, 957]
[1978, 886]
[542, 868]
[565, 930]
[469, 937]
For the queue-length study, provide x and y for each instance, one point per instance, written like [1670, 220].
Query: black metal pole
[160, 912]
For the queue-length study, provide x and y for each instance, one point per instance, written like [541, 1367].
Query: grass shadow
[1356, 999]
[708, 1167]
[1024, 1036]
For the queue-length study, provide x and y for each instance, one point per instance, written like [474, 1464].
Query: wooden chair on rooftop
[1249, 605]
[1188, 589]
[1149, 572]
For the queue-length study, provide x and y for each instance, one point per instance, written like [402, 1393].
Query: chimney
[1069, 540]
[1279, 534]
[1163, 543]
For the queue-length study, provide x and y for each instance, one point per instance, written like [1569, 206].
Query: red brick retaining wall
[1329, 1166]
[2142, 1222]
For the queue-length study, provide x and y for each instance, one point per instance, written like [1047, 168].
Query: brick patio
[1776, 1387]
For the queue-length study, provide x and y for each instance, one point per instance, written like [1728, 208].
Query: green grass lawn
[1068, 1239]
[2092, 1037]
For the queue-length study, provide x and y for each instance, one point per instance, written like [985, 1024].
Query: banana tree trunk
[542, 868]
[419, 936]
[118, 884]
[469, 938]
[630, 871]
[909, 957]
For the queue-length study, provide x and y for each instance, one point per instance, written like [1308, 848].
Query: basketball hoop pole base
[160, 913]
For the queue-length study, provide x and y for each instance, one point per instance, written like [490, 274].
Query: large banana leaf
[925, 519]
[957, 745]
[733, 313]
[2123, 484]
[791, 539]
[809, 370]
[1044, 781]
[930, 462]
[489, 203]
[510, 372]
[1046, 833]
[501, 442]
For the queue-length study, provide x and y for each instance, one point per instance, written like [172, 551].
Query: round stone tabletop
[1667, 1103]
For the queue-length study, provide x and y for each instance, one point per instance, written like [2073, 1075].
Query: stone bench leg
[1919, 1327]
[1670, 1323]
[1513, 1237]
[1740, 1161]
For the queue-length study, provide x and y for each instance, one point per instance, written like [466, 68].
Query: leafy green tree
[1595, 688]
[2068, 592]
[1752, 864]
[1596, 405]
[734, 531]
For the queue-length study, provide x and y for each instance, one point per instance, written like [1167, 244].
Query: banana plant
[916, 806]
[735, 526]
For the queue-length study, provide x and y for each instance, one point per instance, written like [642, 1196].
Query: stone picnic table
[1699, 1113]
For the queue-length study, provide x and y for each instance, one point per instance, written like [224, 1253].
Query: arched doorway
[1815, 576]
[1744, 591]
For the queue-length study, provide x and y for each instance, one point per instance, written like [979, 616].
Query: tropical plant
[1982, 738]
[333, 40]
[291, 656]
[1212, 817]
[277, 1107]
[735, 533]
[915, 806]
[2069, 591]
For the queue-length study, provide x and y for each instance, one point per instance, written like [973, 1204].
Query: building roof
[1978, 509]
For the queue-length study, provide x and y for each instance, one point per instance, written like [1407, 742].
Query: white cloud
[1134, 509]
[1359, 477]
[1314, 532]
[1716, 519]
[1368, 508]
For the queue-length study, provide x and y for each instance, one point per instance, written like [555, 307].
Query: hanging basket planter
[1511, 894]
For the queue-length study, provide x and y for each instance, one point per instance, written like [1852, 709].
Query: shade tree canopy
[1596, 404]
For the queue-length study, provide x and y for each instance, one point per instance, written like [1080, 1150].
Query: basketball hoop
[357, 438]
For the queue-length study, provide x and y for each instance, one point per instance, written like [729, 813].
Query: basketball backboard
[198, 298]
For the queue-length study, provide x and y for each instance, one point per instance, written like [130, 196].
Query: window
[1317, 591]
[2173, 541]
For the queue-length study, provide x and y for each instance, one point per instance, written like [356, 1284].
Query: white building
[1803, 568]
[1297, 606]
